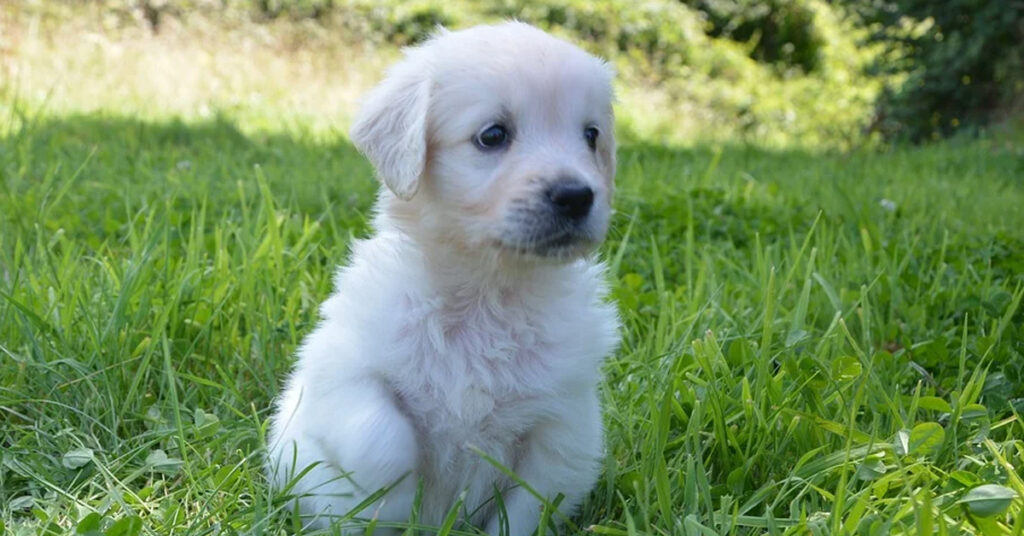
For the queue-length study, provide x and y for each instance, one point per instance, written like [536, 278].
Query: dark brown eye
[591, 134]
[492, 137]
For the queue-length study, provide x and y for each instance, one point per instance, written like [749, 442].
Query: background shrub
[963, 62]
[777, 31]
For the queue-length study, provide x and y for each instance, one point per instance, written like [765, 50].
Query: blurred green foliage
[780, 31]
[964, 61]
[832, 72]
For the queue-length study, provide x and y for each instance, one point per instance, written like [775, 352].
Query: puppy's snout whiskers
[537, 231]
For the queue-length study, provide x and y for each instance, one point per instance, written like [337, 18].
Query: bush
[964, 64]
[657, 36]
[406, 23]
[778, 31]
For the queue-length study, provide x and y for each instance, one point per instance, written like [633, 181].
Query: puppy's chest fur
[480, 376]
[479, 370]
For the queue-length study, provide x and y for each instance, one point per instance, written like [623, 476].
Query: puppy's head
[495, 138]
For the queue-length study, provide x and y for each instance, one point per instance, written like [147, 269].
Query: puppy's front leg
[356, 441]
[561, 456]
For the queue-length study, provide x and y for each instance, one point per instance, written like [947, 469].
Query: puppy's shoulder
[378, 270]
[360, 312]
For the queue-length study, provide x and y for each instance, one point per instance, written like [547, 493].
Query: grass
[797, 357]
[814, 343]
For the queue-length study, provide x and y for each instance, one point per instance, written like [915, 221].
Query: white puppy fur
[474, 319]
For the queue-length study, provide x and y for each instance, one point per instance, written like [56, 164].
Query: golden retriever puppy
[473, 320]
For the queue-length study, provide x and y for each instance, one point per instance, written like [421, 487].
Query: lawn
[814, 341]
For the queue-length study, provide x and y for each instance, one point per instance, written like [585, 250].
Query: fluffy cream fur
[473, 319]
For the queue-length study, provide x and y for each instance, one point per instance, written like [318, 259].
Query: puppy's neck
[460, 275]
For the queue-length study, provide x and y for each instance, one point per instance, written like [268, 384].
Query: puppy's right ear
[391, 128]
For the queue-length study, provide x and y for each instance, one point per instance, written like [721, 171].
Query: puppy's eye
[591, 134]
[492, 137]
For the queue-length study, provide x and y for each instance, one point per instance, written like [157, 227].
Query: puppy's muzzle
[570, 199]
[556, 220]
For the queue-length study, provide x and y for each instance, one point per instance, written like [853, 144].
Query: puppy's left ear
[391, 128]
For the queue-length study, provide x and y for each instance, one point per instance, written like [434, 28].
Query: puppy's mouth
[561, 223]
[558, 243]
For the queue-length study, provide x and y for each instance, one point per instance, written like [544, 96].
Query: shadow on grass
[89, 176]
[96, 169]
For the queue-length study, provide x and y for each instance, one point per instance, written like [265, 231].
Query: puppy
[473, 321]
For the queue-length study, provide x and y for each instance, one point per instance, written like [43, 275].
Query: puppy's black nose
[571, 199]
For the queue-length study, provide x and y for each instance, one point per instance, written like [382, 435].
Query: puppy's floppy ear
[391, 128]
